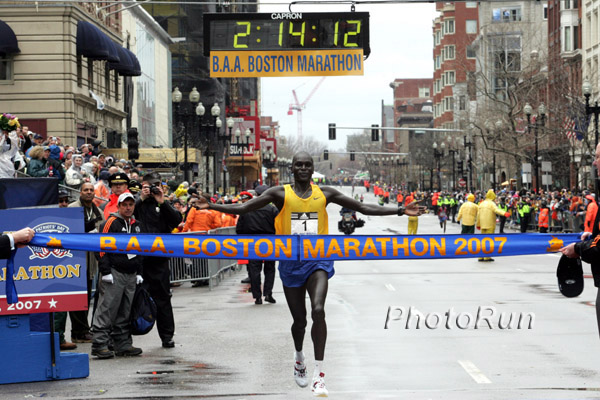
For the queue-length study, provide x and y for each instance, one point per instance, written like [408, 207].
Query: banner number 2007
[475, 245]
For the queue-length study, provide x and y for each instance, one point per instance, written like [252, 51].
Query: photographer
[158, 216]
[93, 217]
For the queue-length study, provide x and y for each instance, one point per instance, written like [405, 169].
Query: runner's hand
[414, 209]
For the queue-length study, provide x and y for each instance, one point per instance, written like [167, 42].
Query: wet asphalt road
[229, 348]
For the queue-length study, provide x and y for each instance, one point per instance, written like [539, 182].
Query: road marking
[472, 370]
[520, 270]
[375, 270]
[390, 287]
[554, 254]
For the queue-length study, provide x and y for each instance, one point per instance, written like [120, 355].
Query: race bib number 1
[305, 223]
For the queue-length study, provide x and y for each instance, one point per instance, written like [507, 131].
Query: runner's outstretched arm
[334, 196]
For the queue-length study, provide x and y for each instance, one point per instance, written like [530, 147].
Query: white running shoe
[300, 374]
[318, 386]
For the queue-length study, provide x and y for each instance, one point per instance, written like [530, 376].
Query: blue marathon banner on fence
[310, 247]
[45, 279]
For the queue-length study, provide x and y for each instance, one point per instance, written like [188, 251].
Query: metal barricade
[202, 269]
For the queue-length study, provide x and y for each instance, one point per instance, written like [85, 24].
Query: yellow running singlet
[302, 216]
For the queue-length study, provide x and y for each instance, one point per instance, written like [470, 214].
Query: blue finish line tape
[310, 247]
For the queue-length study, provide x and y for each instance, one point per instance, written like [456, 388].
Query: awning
[93, 43]
[128, 64]
[8, 40]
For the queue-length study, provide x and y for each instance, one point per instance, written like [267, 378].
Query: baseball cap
[245, 195]
[260, 189]
[125, 196]
[570, 276]
[62, 193]
[38, 136]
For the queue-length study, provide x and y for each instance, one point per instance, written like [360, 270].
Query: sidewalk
[216, 352]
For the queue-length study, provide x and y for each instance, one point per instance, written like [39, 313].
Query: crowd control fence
[203, 269]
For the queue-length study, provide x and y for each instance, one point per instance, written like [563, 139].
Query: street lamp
[176, 98]
[438, 155]
[268, 158]
[468, 143]
[538, 122]
[589, 110]
[212, 126]
[243, 145]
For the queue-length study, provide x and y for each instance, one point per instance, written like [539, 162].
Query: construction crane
[298, 107]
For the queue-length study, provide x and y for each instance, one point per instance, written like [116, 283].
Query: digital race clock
[286, 31]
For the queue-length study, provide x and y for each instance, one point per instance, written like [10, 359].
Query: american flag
[569, 127]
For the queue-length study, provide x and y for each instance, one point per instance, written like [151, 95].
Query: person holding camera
[93, 217]
[156, 215]
[118, 183]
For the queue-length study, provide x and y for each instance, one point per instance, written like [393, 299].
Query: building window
[471, 4]
[471, 26]
[90, 69]
[570, 5]
[471, 52]
[6, 68]
[79, 70]
[424, 92]
[107, 80]
[507, 14]
[567, 39]
[438, 62]
[449, 52]
[462, 103]
[450, 77]
[545, 16]
[116, 86]
[449, 27]
[448, 103]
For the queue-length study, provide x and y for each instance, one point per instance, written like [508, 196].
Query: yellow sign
[254, 64]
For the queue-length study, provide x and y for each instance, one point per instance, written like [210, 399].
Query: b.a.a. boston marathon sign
[250, 64]
[309, 247]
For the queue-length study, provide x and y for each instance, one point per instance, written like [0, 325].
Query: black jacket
[258, 221]
[4, 247]
[155, 218]
[121, 262]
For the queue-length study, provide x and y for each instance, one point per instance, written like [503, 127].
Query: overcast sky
[401, 47]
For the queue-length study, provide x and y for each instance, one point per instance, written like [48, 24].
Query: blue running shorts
[296, 273]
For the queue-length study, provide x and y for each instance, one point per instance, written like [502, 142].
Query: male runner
[302, 211]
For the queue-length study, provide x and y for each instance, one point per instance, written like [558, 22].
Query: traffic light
[331, 131]
[352, 156]
[133, 144]
[325, 155]
[460, 167]
[375, 133]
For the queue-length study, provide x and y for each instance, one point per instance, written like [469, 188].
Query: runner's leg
[296, 300]
[317, 286]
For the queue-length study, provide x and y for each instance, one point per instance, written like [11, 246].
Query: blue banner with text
[310, 247]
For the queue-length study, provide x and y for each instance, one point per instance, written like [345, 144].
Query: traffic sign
[462, 182]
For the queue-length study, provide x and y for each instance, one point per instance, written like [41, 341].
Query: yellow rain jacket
[468, 211]
[486, 218]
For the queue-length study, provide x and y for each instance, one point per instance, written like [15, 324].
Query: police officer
[156, 215]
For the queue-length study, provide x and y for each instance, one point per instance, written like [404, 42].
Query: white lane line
[375, 270]
[472, 370]
[390, 287]
[520, 270]
[554, 254]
